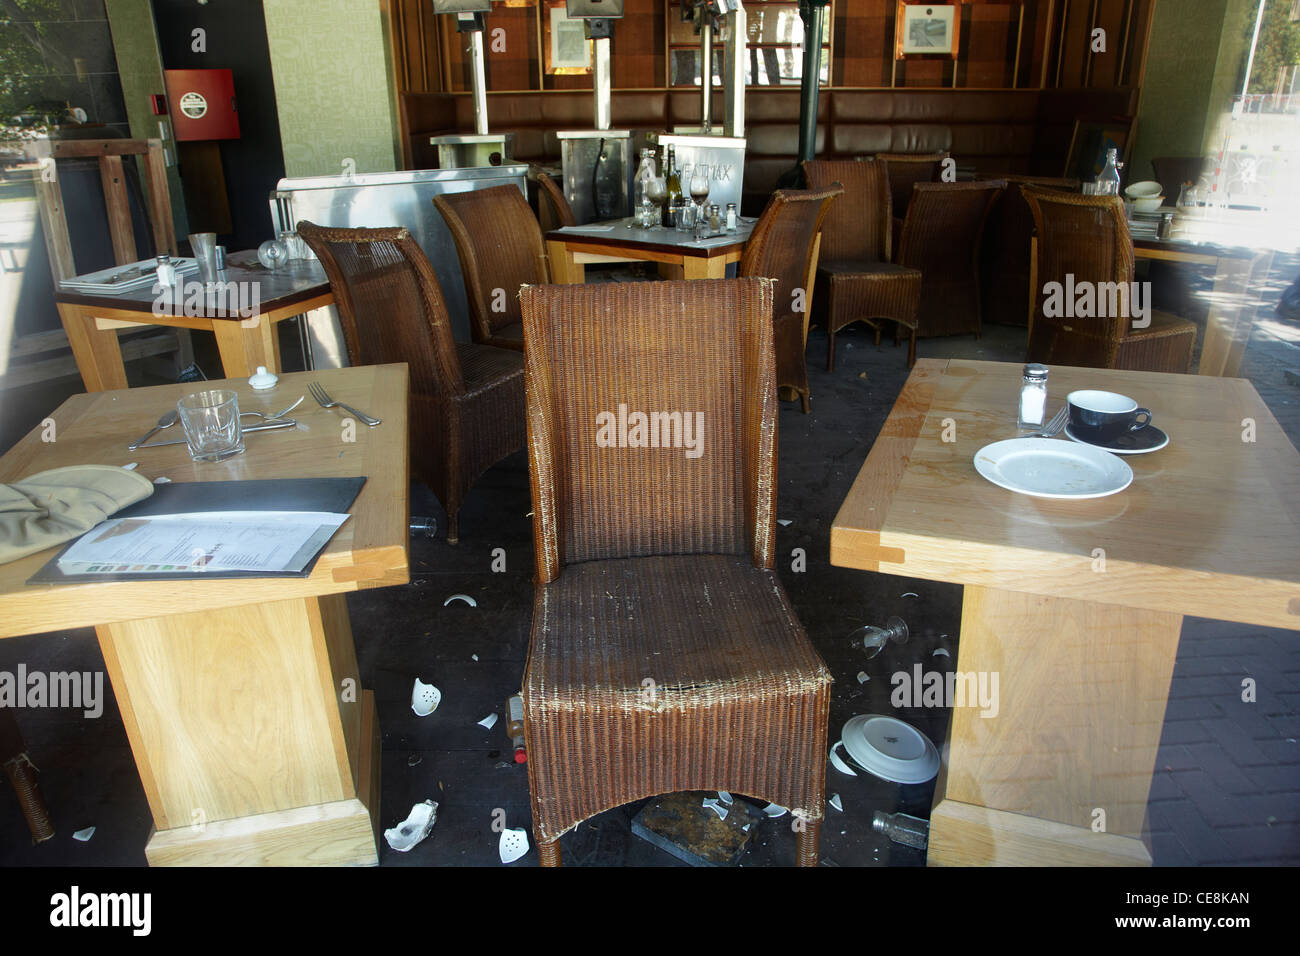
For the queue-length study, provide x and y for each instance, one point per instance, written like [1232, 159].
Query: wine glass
[872, 640]
[699, 188]
[657, 192]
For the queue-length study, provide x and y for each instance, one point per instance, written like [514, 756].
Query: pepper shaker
[1033, 396]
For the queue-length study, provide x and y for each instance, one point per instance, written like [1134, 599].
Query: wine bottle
[673, 178]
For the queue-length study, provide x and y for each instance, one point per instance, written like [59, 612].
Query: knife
[286, 423]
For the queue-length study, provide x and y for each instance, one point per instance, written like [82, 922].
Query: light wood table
[573, 248]
[92, 321]
[1077, 606]
[241, 697]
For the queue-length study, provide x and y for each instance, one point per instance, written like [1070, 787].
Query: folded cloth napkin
[54, 506]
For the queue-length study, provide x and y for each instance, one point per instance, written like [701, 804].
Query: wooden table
[573, 248]
[241, 697]
[1239, 275]
[1077, 606]
[92, 321]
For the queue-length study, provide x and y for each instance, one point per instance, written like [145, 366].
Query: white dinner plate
[890, 749]
[1050, 468]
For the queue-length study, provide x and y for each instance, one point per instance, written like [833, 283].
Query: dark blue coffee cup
[1104, 416]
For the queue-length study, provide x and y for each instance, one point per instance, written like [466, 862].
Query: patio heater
[813, 13]
[481, 148]
[598, 163]
[721, 149]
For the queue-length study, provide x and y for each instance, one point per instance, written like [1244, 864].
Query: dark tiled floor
[1227, 776]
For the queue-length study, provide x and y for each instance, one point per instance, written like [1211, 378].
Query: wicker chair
[24, 778]
[783, 246]
[906, 170]
[1004, 250]
[500, 247]
[467, 401]
[554, 211]
[941, 237]
[855, 279]
[1088, 237]
[665, 655]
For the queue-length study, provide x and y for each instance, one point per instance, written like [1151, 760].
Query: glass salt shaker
[731, 217]
[1033, 396]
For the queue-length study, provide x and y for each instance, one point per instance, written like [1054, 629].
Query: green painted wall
[333, 86]
[139, 65]
[1193, 59]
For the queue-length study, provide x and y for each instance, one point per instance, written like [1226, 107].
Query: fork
[324, 401]
[1054, 426]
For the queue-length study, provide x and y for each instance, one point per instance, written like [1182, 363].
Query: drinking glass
[657, 191]
[272, 254]
[211, 423]
[872, 639]
[684, 216]
[204, 245]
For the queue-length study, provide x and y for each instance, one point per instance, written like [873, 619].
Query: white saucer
[1048, 468]
[890, 749]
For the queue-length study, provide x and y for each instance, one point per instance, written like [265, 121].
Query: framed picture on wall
[921, 28]
[567, 49]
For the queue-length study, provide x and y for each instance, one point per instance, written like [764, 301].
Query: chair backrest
[941, 234]
[389, 302]
[857, 227]
[500, 247]
[907, 169]
[783, 246]
[117, 204]
[1085, 237]
[614, 367]
[552, 205]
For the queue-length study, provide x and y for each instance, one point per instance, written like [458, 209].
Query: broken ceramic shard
[940, 652]
[863, 677]
[838, 762]
[425, 698]
[461, 597]
[513, 845]
[84, 835]
[834, 801]
[713, 804]
[784, 522]
[775, 810]
[414, 828]
[726, 797]
[489, 721]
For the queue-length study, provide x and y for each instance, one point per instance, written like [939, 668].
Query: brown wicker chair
[24, 778]
[500, 247]
[941, 237]
[1088, 237]
[1004, 250]
[855, 279]
[467, 401]
[906, 170]
[784, 247]
[554, 211]
[665, 655]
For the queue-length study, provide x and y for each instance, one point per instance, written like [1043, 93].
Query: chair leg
[877, 336]
[830, 349]
[453, 527]
[911, 350]
[806, 843]
[549, 853]
[22, 774]
[803, 399]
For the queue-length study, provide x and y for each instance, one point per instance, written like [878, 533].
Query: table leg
[564, 270]
[246, 344]
[252, 736]
[1060, 774]
[1231, 314]
[98, 355]
[700, 267]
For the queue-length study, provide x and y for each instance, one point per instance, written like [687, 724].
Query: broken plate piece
[834, 801]
[489, 721]
[784, 522]
[726, 797]
[513, 845]
[941, 652]
[775, 810]
[84, 835]
[425, 698]
[461, 597]
[414, 828]
[863, 677]
[713, 804]
[838, 762]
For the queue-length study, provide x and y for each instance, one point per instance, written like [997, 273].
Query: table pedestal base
[1059, 771]
[254, 741]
